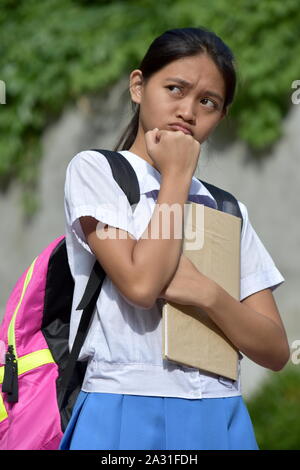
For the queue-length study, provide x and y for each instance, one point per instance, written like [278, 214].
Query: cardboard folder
[189, 336]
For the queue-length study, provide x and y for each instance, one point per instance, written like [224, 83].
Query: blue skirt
[110, 421]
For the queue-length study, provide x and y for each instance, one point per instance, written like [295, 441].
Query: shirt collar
[150, 178]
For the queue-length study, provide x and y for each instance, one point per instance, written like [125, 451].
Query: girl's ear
[136, 85]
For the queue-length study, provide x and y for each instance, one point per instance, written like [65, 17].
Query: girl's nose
[187, 111]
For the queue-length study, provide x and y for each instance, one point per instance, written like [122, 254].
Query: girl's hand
[186, 285]
[173, 151]
[189, 286]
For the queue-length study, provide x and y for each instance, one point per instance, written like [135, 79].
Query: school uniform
[131, 398]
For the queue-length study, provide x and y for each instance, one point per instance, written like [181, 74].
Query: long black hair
[175, 44]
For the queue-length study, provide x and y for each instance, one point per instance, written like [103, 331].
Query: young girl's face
[166, 99]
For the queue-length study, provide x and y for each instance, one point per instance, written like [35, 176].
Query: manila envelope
[189, 336]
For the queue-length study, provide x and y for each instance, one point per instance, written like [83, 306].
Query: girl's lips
[181, 128]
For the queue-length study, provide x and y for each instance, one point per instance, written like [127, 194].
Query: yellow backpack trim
[25, 364]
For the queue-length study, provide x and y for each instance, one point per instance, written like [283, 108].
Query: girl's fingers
[151, 137]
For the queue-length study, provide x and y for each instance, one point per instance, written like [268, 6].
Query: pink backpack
[39, 378]
[23, 414]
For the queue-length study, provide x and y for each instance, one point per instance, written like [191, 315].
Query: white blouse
[124, 342]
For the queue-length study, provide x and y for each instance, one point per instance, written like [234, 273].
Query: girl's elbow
[139, 297]
[143, 292]
[144, 298]
[283, 360]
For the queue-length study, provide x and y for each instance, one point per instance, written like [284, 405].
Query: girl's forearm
[157, 252]
[253, 333]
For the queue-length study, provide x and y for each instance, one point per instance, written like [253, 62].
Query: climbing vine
[53, 52]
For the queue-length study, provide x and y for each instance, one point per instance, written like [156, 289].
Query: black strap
[77, 345]
[124, 175]
[226, 202]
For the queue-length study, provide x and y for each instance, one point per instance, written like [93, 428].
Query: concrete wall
[270, 192]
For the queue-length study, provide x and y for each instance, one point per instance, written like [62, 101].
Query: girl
[131, 398]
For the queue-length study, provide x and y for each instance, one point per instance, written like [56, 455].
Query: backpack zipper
[10, 380]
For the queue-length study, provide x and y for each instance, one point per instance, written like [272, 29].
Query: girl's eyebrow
[183, 82]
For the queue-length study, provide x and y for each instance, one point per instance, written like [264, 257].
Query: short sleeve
[91, 190]
[258, 270]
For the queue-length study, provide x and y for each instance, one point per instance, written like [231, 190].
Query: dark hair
[175, 44]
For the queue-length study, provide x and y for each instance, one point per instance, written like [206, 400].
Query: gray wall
[270, 192]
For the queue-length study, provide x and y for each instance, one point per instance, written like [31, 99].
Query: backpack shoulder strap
[226, 202]
[124, 174]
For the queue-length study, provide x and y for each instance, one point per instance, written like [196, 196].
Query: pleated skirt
[109, 421]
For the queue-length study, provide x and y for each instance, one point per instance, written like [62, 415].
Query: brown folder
[189, 336]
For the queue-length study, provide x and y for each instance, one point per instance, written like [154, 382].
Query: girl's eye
[214, 105]
[173, 86]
